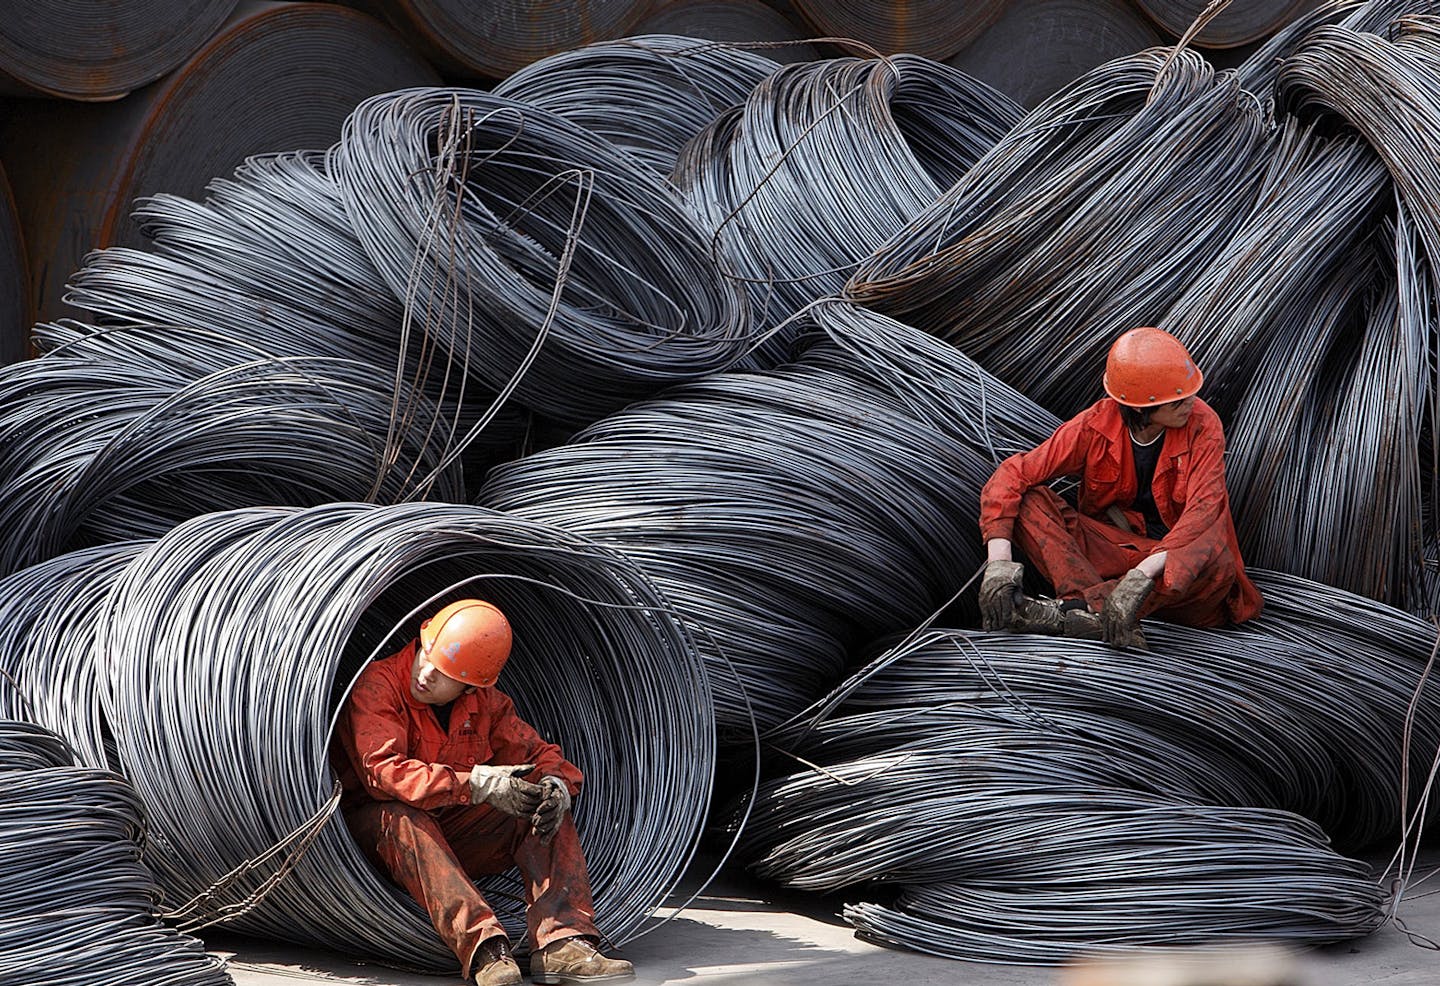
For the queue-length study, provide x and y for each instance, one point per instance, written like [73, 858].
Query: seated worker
[1151, 532]
[434, 768]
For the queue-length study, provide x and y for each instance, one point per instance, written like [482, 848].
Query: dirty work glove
[554, 803]
[997, 593]
[1120, 618]
[502, 788]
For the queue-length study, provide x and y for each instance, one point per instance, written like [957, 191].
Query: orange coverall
[407, 802]
[1082, 553]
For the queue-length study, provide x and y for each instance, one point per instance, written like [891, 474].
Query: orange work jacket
[395, 749]
[1189, 489]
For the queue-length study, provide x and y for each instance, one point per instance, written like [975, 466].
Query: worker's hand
[1120, 619]
[553, 805]
[502, 788]
[997, 593]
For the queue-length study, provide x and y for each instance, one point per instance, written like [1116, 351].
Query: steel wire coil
[825, 161]
[77, 434]
[552, 233]
[227, 645]
[101, 52]
[493, 39]
[648, 94]
[275, 77]
[1089, 217]
[767, 27]
[1025, 792]
[79, 905]
[1037, 46]
[725, 491]
[930, 28]
[1235, 25]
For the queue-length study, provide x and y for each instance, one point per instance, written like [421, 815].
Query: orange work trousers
[436, 855]
[1083, 558]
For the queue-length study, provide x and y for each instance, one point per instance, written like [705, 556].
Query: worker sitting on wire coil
[1151, 531]
[444, 782]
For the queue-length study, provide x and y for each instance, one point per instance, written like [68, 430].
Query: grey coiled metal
[792, 512]
[505, 226]
[79, 905]
[649, 94]
[225, 647]
[827, 160]
[1037, 797]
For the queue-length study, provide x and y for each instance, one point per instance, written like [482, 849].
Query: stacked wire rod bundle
[165, 436]
[648, 94]
[545, 249]
[827, 160]
[79, 905]
[226, 647]
[792, 512]
[1035, 797]
[1089, 217]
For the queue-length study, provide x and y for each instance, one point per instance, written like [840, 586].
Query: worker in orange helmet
[444, 782]
[1150, 532]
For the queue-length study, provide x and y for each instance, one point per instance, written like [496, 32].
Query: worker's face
[429, 685]
[1173, 415]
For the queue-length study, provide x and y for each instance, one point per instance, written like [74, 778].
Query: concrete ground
[745, 932]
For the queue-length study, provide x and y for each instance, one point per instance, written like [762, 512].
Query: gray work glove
[554, 803]
[997, 593]
[502, 788]
[1120, 618]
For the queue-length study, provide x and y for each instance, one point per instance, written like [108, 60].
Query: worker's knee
[1040, 501]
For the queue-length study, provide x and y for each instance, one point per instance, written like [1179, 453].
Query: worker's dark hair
[1135, 418]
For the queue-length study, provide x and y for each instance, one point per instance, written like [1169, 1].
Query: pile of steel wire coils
[1034, 798]
[207, 666]
[252, 465]
[79, 905]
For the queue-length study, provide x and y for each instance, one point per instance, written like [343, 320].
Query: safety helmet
[1149, 366]
[468, 640]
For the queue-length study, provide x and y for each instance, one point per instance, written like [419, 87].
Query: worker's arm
[513, 740]
[1062, 454]
[374, 734]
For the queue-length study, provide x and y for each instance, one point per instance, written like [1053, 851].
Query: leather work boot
[1057, 618]
[494, 965]
[577, 960]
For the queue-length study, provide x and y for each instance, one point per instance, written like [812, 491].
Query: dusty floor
[746, 932]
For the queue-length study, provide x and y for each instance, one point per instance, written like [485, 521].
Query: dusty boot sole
[558, 978]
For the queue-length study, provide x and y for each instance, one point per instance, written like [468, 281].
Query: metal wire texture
[790, 513]
[225, 647]
[504, 226]
[648, 94]
[1035, 797]
[77, 904]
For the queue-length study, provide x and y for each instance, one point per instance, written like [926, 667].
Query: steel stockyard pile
[697, 359]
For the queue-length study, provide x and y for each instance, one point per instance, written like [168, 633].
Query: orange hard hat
[1149, 366]
[468, 640]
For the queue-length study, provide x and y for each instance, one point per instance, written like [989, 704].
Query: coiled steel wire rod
[502, 224]
[788, 513]
[648, 94]
[827, 160]
[77, 904]
[227, 645]
[1037, 797]
[1088, 218]
[84, 433]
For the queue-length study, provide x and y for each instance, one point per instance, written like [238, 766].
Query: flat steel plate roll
[1038, 46]
[277, 77]
[934, 28]
[1238, 24]
[732, 20]
[495, 37]
[99, 49]
[15, 299]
